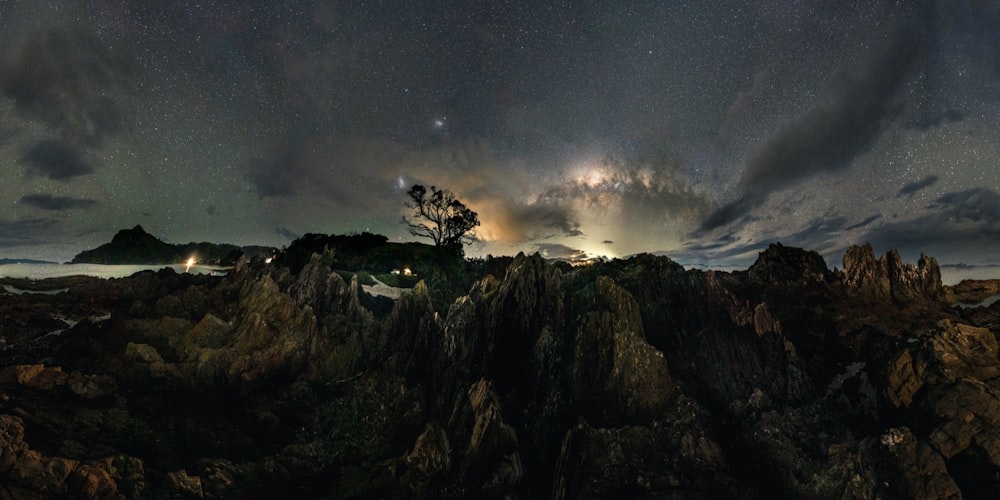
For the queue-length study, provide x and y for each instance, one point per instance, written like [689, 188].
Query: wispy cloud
[559, 252]
[911, 188]
[68, 79]
[844, 125]
[26, 232]
[286, 233]
[56, 203]
[868, 220]
[962, 224]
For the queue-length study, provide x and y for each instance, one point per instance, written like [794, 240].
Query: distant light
[190, 262]
[407, 272]
[268, 260]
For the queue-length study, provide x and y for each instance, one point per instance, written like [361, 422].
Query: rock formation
[888, 277]
[629, 378]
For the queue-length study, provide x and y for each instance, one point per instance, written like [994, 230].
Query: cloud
[49, 202]
[7, 134]
[911, 188]
[869, 220]
[66, 78]
[730, 252]
[981, 205]
[927, 119]
[55, 160]
[286, 233]
[369, 176]
[963, 225]
[742, 103]
[846, 123]
[26, 232]
[273, 175]
[618, 195]
[559, 252]
[731, 212]
[508, 222]
[341, 170]
[821, 234]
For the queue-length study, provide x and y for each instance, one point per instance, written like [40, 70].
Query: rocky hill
[628, 379]
[136, 246]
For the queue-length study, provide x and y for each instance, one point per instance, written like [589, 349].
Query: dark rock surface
[626, 379]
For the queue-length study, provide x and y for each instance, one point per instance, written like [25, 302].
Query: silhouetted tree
[440, 217]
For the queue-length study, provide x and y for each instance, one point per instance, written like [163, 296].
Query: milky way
[700, 130]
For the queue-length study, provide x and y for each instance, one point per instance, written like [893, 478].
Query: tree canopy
[440, 217]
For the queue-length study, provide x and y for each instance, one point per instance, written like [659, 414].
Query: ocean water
[42, 271]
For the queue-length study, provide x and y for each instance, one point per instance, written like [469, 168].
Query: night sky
[700, 130]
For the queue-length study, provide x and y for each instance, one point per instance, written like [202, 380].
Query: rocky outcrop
[41, 377]
[918, 470]
[971, 291]
[787, 265]
[888, 277]
[28, 473]
[628, 378]
[675, 456]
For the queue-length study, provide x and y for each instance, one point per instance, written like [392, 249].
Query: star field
[701, 130]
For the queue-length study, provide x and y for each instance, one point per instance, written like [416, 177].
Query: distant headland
[136, 246]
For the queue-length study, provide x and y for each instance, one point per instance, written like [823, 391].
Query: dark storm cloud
[559, 252]
[26, 232]
[850, 118]
[55, 160]
[49, 202]
[911, 188]
[869, 220]
[68, 79]
[829, 136]
[962, 224]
